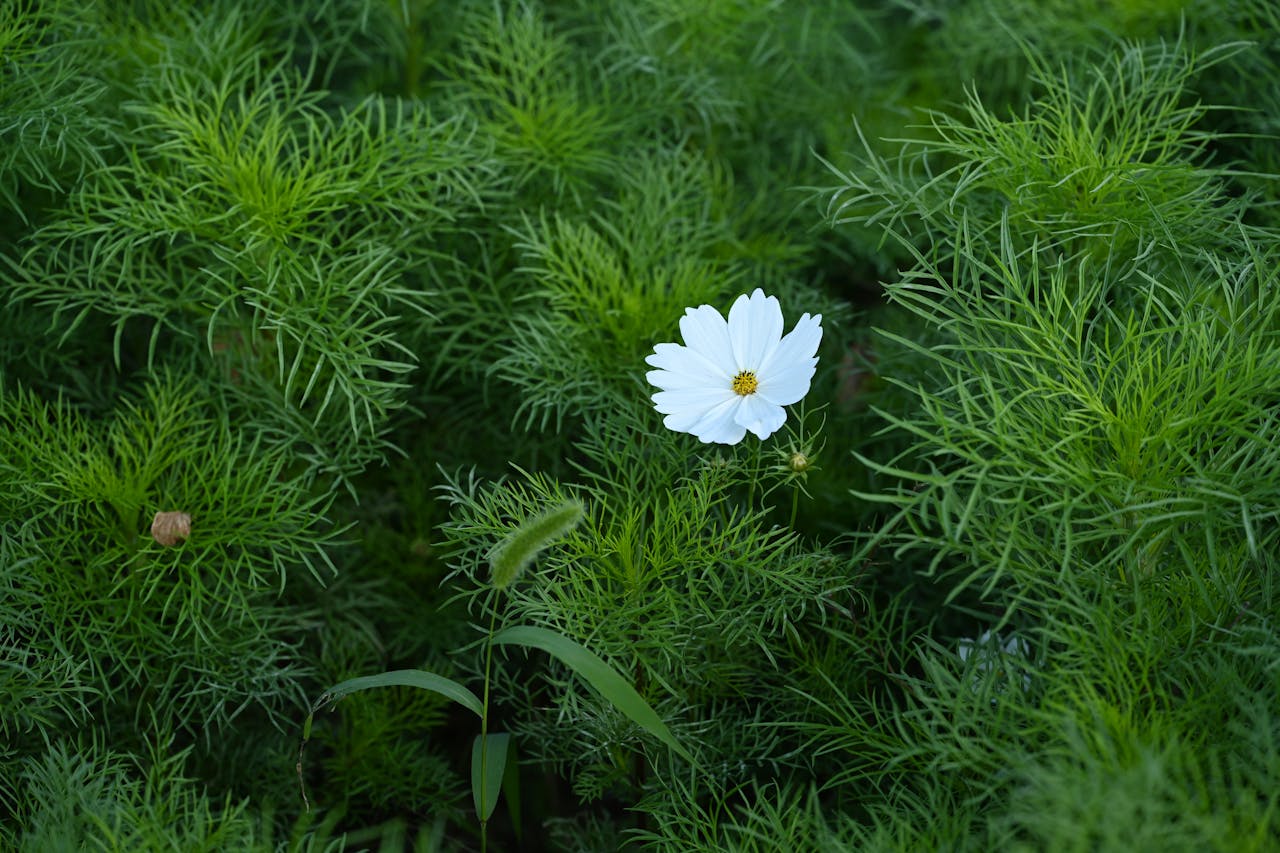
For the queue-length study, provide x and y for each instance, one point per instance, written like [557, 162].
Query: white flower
[731, 377]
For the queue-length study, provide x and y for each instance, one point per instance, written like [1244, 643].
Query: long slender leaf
[419, 678]
[604, 678]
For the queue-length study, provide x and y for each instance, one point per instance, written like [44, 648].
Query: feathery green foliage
[363, 289]
[1107, 158]
[49, 132]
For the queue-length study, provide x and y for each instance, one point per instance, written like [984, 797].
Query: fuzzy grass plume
[510, 557]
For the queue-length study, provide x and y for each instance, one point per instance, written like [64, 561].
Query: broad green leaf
[488, 765]
[604, 678]
[419, 678]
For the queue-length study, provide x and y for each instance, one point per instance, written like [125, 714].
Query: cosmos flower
[735, 376]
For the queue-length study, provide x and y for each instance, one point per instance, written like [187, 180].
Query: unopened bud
[798, 462]
[169, 528]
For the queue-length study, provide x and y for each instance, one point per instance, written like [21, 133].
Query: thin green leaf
[604, 678]
[419, 678]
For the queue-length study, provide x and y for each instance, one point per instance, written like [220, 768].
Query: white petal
[700, 400]
[688, 375]
[682, 418]
[796, 347]
[723, 432]
[713, 424]
[667, 356]
[720, 427]
[755, 325]
[789, 386]
[706, 333]
[786, 374]
[681, 360]
[666, 380]
[759, 415]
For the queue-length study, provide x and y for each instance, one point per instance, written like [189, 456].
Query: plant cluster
[337, 511]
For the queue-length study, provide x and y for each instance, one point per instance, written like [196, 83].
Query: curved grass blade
[604, 678]
[419, 678]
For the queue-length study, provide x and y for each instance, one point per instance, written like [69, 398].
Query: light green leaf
[604, 678]
[419, 678]
[488, 765]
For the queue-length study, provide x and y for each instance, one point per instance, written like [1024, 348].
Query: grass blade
[602, 677]
[419, 678]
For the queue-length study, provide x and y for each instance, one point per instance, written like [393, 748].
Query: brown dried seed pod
[168, 528]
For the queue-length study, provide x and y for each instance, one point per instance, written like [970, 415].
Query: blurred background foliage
[360, 285]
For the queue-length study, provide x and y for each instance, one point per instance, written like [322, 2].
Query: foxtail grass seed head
[169, 528]
[733, 377]
[510, 557]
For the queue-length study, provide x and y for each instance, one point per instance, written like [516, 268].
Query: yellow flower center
[745, 383]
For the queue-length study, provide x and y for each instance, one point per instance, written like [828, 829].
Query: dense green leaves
[363, 290]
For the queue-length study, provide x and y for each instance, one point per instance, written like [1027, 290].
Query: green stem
[795, 505]
[484, 727]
